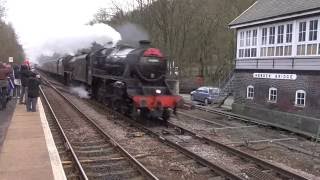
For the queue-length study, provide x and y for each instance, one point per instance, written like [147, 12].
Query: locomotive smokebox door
[144, 43]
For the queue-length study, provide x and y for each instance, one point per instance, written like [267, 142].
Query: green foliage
[9, 45]
[194, 34]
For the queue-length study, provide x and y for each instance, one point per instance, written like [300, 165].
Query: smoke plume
[71, 39]
[80, 91]
[131, 33]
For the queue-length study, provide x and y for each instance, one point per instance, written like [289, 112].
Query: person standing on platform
[4, 74]
[24, 75]
[33, 92]
[11, 87]
[17, 80]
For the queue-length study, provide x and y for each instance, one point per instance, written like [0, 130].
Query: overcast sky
[36, 21]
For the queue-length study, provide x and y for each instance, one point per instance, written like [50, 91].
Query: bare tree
[193, 34]
[2, 9]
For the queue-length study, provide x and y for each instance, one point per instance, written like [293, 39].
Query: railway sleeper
[124, 174]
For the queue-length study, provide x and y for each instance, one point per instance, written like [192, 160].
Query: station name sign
[275, 76]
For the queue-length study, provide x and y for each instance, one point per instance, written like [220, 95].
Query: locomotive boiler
[129, 80]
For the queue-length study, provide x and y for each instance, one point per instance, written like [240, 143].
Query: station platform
[28, 150]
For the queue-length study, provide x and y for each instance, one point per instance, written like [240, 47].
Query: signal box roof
[269, 10]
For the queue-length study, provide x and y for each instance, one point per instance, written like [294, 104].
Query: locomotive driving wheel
[120, 106]
[135, 113]
[116, 104]
[166, 116]
[98, 91]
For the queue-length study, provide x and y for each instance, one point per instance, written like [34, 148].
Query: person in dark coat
[17, 80]
[33, 92]
[4, 74]
[24, 75]
[11, 87]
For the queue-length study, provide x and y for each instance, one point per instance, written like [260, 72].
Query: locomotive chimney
[144, 43]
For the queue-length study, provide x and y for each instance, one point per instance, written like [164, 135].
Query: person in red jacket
[4, 73]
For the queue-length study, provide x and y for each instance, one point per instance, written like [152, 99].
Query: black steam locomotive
[130, 80]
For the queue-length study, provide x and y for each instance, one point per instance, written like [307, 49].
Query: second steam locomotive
[130, 80]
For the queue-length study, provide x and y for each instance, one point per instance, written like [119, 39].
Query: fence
[279, 64]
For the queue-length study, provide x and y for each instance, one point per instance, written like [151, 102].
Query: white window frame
[272, 95]
[290, 48]
[302, 31]
[272, 36]
[309, 43]
[282, 48]
[249, 93]
[264, 36]
[248, 38]
[296, 99]
[289, 32]
[241, 39]
[254, 37]
[280, 35]
[301, 49]
[313, 31]
[287, 50]
[248, 43]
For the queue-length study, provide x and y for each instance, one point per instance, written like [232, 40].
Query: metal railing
[304, 63]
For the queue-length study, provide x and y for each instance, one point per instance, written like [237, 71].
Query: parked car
[206, 94]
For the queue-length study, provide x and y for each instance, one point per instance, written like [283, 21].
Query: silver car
[206, 94]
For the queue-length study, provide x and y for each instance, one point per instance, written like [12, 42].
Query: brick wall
[286, 89]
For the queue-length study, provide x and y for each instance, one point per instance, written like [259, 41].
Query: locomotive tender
[130, 80]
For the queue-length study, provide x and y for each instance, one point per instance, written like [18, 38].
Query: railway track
[203, 166]
[71, 170]
[202, 169]
[95, 153]
[185, 140]
[250, 165]
[228, 130]
[247, 119]
[254, 168]
[222, 121]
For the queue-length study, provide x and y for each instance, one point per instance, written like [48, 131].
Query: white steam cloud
[80, 91]
[132, 33]
[67, 40]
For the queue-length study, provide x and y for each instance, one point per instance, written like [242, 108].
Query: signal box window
[273, 95]
[313, 30]
[300, 98]
[250, 92]
[264, 36]
[272, 33]
[302, 31]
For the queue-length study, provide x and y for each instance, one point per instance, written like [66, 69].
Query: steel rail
[214, 167]
[203, 161]
[254, 121]
[143, 170]
[69, 146]
[201, 119]
[231, 115]
[237, 152]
